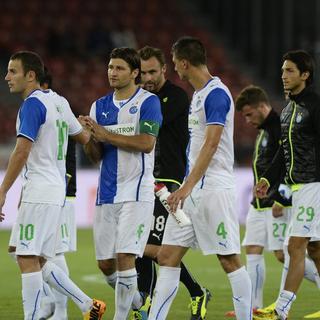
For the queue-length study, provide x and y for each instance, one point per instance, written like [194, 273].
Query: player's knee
[297, 247]
[165, 259]
[230, 263]
[314, 250]
[107, 266]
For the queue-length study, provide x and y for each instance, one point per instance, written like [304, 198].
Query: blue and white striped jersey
[126, 175]
[212, 105]
[46, 119]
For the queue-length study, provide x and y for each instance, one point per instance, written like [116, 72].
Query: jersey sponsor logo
[105, 114]
[133, 110]
[156, 235]
[126, 129]
[150, 125]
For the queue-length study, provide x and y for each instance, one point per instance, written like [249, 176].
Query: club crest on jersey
[298, 118]
[264, 142]
[133, 110]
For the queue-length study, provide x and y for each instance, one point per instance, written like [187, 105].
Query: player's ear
[31, 75]
[135, 73]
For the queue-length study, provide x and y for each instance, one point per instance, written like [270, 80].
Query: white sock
[285, 267]
[58, 280]
[284, 303]
[126, 287]
[137, 300]
[112, 280]
[61, 300]
[165, 291]
[311, 272]
[47, 301]
[242, 293]
[31, 294]
[257, 272]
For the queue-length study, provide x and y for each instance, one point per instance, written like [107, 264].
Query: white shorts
[67, 238]
[305, 220]
[215, 227]
[122, 228]
[263, 230]
[36, 229]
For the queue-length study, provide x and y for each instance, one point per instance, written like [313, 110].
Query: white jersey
[212, 105]
[127, 175]
[46, 119]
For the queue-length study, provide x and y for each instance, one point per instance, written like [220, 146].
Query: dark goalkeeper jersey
[170, 151]
[71, 168]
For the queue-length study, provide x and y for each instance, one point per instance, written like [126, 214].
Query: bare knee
[125, 261]
[279, 255]
[171, 256]
[297, 247]
[230, 263]
[314, 250]
[107, 267]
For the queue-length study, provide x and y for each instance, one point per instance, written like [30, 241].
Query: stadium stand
[74, 37]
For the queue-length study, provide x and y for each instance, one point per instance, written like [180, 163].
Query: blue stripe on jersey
[32, 115]
[151, 110]
[108, 175]
[187, 153]
[142, 173]
[202, 181]
[217, 106]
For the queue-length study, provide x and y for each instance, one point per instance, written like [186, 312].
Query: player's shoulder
[104, 100]
[146, 97]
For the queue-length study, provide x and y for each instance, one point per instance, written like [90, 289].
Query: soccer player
[299, 160]
[54, 302]
[208, 189]
[170, 167]
[124, 124]
[262, 229]
[43, 124]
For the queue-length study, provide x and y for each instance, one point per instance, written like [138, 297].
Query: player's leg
[217, 231]
[304, 225]
[169, 259]
[133, 228]
[175, 243]
[255, 240]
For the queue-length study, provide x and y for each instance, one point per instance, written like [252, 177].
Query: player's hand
[98, 132]
[2, 201]
[177, 198]
[277, 210]
[260, 190]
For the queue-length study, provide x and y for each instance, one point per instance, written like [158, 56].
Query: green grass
[207, 270]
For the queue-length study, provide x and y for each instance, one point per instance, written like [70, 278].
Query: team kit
[166, 184]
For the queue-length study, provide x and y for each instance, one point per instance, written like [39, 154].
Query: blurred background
[245, 41]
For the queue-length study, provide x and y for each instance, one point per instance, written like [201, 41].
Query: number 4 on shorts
[221, 231]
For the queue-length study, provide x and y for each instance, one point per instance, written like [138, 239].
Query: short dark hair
[191, 49]
[251, 95]
[148, 52]
[30, 61]
[47, 78]
[303, 61]
[130, 56]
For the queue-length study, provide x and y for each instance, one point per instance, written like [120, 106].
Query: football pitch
[84, 272]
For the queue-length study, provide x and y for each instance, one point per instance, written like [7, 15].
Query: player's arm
[149, 124]
[143, 142]
[207, 151]
[17, 160]
[82, 137]
[93, 150]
